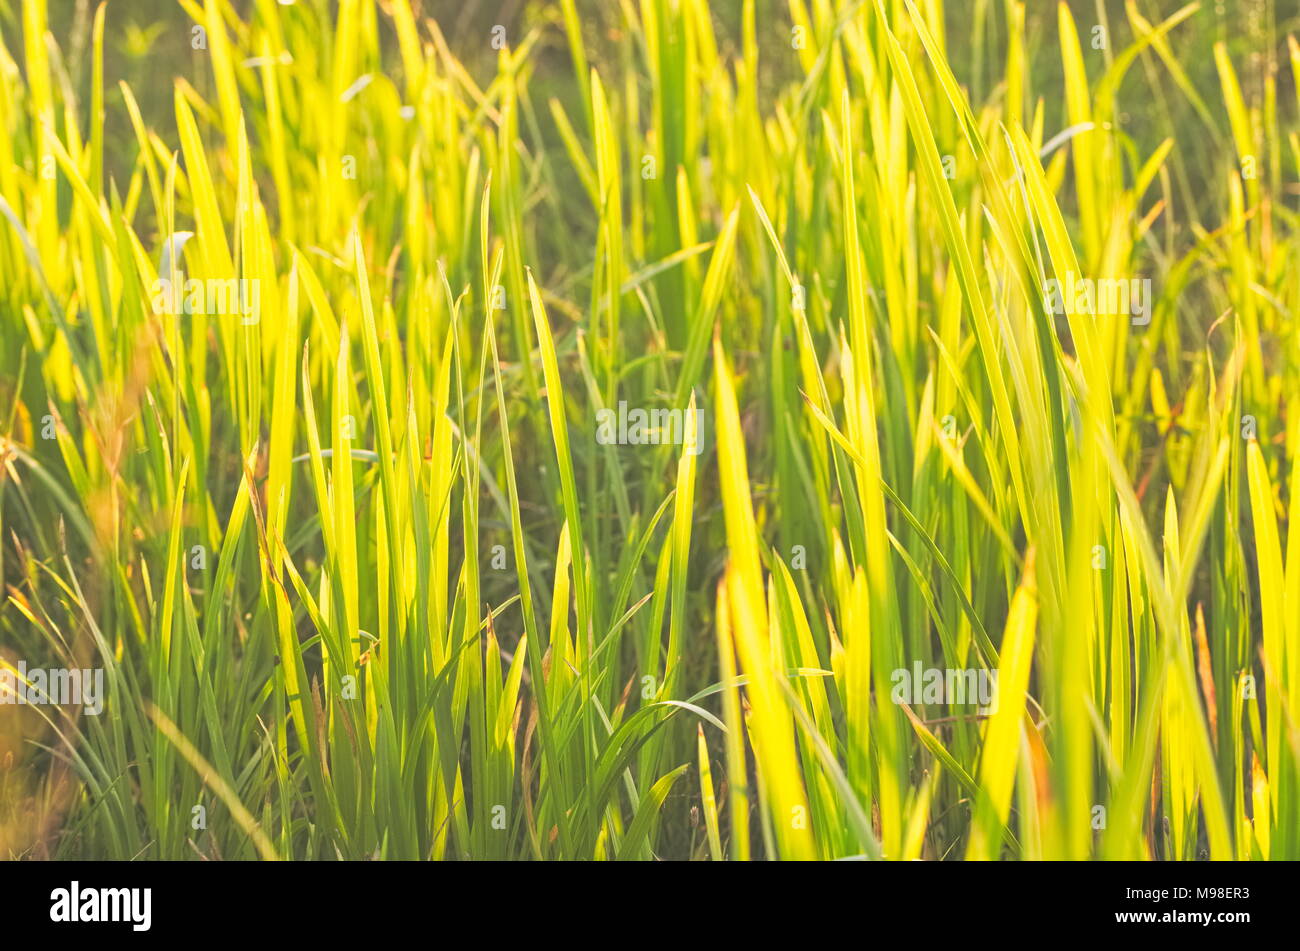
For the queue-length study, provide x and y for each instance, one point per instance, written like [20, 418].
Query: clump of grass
[365, 582]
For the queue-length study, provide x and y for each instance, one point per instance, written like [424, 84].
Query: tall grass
[365, 582]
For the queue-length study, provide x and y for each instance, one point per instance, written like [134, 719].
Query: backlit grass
[366, 580]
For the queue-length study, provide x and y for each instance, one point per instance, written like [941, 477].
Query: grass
[365, 582]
